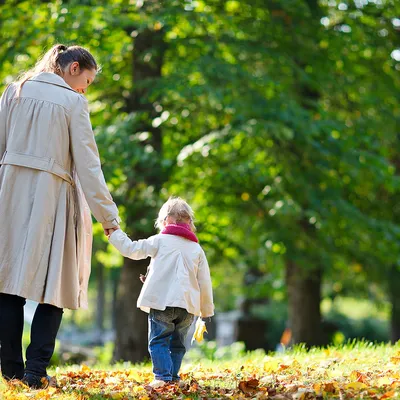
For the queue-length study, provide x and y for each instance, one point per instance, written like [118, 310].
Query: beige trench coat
[46, 144]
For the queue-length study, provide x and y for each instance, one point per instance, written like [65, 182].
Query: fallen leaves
[271, 366]
[331, 387]
[356, 386]
[249, 387]
[389, 395]
[395, 360]
[358, 376]
[301, 376]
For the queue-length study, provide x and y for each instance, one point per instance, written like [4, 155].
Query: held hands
[109, 231]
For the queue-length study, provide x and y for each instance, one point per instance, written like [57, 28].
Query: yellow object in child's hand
[199, 331]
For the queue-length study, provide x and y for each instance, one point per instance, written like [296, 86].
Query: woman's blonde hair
[178, 210]
[56, 60]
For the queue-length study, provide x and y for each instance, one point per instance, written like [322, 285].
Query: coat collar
[52, 79]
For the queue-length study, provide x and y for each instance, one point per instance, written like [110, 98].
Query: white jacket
[178, 274]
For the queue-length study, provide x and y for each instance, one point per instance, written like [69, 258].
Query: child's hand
[199, 330]
[108, 232]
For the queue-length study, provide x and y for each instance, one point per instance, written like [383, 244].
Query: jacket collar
[52, 79]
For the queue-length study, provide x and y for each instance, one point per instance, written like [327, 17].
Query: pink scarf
[180, 229]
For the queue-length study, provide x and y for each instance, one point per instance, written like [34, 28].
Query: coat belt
[41, 163]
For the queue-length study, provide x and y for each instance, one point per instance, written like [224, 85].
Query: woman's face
[79, 79]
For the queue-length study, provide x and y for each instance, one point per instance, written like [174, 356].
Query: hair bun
[60, 48]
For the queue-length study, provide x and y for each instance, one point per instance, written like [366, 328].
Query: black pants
[45, 325]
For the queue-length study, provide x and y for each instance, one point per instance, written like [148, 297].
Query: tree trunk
[394, 284]
[248, 323]
[304, 285]
[114, 302]
[304, 297]
[100, 301]
[394, 273]
[131, 322]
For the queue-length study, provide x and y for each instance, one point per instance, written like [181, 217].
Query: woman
[46, 144]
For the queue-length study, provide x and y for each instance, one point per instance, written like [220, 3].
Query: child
[177, 286]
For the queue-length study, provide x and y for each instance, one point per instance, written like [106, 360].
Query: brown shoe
[52, 381]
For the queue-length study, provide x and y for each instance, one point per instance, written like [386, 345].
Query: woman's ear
[74, 68]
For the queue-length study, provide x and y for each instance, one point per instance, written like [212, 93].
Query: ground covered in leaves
[356, 371]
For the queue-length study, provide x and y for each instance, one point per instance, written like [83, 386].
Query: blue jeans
[167, 333]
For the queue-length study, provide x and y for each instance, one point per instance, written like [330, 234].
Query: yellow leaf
[138, 389]
[389, 395]
[356, 385]
[52, 390]
[359, 377]
[395, 360]
[199, 331]
[117, 395]
[317, 387]
[139, 392]
[85, 368]
[295, 364]
[10, 395]
[271, 366]
[42, 394]
[134, 375]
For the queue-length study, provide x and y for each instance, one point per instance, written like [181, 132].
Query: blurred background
[278, 121]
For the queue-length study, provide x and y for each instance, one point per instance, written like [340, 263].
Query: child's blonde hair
[178, 210]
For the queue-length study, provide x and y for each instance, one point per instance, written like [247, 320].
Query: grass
[358, 370]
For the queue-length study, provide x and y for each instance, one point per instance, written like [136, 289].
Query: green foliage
[369, 329]
[208, 350]
[104, 354]
[278, 121]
